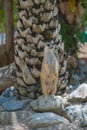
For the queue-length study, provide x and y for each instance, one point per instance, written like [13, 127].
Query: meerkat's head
[49, 46]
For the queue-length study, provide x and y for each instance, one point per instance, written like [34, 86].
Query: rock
[81, 74]
[22, 126]
[9, 118]
[31, 95]
[78, 95]
[4, 99]
[56, 106]
[45, 119]
[78, 112]
[75, 79]
[83, 119]
[9, 92]
[82, 66]
[16, 126]
[13, 104]
[72, 88]
[69, 126]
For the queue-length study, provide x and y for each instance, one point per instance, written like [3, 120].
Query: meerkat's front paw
[53, 97]
[45, 99]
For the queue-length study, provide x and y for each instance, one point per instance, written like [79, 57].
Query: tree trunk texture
[9, 30]
[37, 24]
[7, 77]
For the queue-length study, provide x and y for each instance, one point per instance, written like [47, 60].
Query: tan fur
[49, 73]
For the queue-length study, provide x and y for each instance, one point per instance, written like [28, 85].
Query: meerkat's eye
[48, 44]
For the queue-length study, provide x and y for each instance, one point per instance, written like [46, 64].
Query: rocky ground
[63, 113]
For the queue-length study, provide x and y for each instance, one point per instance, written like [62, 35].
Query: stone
[45, 119]
[78, 112]
[78, 78]
[9, 118]
[4, 99]
[79, 94]
[82, 66]
[56, 106]
[81, 74]
[75, 79]
[31, 95]
[69, 126]
[13, 104]
[16, 126]
[83, 119]
[9, 92]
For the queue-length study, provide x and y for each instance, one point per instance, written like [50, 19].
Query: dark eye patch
[48, 45]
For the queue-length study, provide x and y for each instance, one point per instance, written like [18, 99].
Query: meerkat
[49, 72]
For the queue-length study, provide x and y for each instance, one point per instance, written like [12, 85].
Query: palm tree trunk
[37, 24]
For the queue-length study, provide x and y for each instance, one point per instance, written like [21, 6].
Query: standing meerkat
[49, 72]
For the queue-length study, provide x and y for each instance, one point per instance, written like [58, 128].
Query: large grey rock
[78, 112]
[56, 106]
[78, 95]
[9, 118]
[13, 104]
[15, 126]
[83, 119]
[69, 126]
[45, 119]
[4, 99]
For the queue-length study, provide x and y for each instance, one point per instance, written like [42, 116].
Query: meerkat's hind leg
[45, 95]
[45, 98]
[53, 93]
[53, 97]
